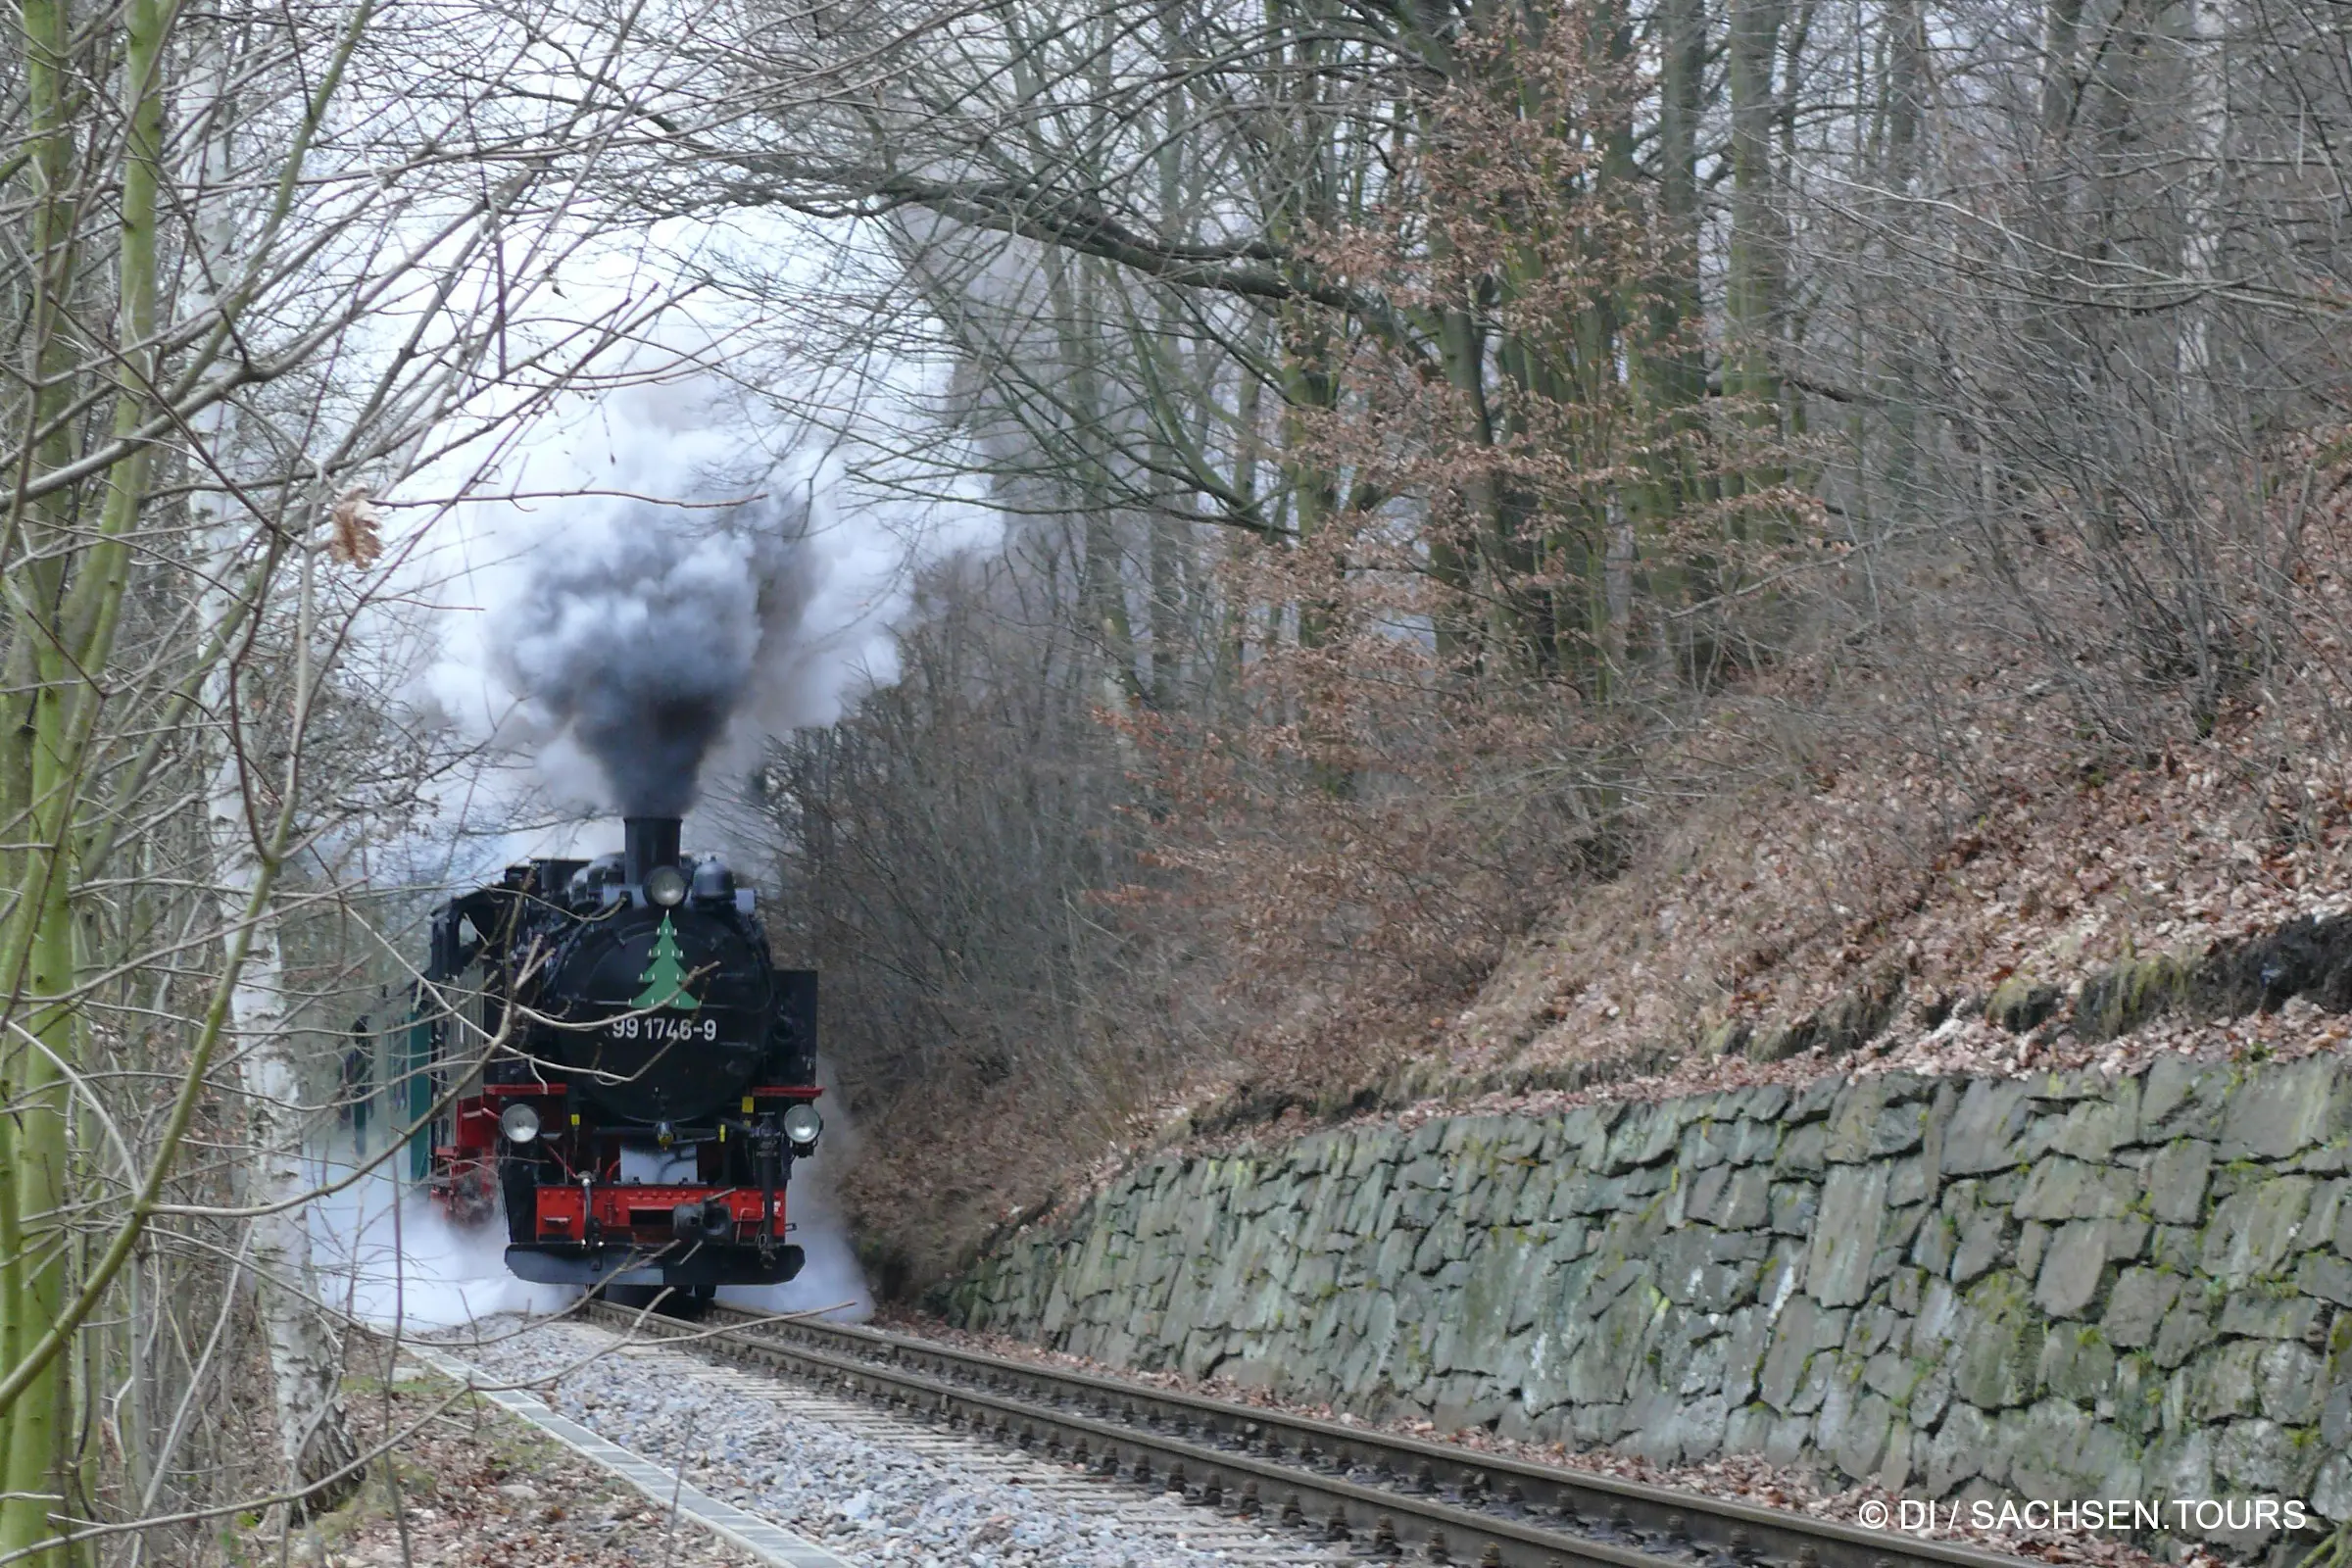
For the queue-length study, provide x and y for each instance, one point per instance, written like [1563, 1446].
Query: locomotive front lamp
[665, 887]
[521, 1123]
[802, 1124]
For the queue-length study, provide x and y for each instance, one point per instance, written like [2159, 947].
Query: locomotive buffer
[633, 1074]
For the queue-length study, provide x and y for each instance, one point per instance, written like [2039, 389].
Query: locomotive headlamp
[802, 1124]
[665, 887]
[521, 1123]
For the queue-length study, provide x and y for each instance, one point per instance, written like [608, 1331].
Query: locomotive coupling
[707, 1221]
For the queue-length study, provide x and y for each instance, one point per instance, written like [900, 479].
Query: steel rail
[1393, 1494]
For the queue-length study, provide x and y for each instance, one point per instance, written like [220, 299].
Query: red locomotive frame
[465, 1177]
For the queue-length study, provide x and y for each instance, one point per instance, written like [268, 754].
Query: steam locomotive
[625, 1066]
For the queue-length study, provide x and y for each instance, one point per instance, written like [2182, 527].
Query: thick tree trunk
[68, 618]
[1676, 367]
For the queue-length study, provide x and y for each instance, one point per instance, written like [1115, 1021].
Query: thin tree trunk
[2061, 28]
[1752, 287]
[1675, 368]
[305, 1360]
[1673, 359]
[70, 626]
[1484, 529]
[2201, 245]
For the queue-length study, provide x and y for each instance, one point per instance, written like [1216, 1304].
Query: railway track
[1382, 1494]
[726, 1499]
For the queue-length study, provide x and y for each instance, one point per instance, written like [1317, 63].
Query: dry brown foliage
[464, 1484]
[356, 530]
[1592, 712]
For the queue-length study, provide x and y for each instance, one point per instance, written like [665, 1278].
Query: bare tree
[266, 262]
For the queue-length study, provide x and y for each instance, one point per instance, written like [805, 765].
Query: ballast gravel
[863, 1499]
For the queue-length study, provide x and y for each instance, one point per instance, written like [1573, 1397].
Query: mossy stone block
[2077, 1364]
[2265, 1459]
[1959, 1451]
[2175, 1180]
[1648, 1134]
[2062, 1189]
[2186, 1330]
[1984, 1235]
[2182, 1099]
[1986, 1128]
[2331, 1488]
[2221, 1382]
[1801, 1328]
[2326, 1276]
[2255, 1315]
[2137, 1304]
[1995, 1361]
[2092, 1128]
[2292, 1382]
[2252, 1232]
[1730, 1197]
[1802, 1152]
[1845, 1237]
[2070, 1269]
[2059, 1449]
[1794, 1206]
[2284, 1109]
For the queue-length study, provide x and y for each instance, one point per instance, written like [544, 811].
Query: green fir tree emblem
[664, 974]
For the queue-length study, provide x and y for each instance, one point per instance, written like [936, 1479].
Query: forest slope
[2030, 902]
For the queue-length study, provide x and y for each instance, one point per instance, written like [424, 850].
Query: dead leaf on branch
[358, 529]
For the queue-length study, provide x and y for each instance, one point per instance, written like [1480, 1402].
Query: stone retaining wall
[2068, 1287]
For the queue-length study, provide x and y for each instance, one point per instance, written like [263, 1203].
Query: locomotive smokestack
[650, 841]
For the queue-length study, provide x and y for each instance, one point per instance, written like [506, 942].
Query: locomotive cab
[646, 1070]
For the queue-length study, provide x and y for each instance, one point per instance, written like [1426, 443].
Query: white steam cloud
[632, 596]
[831, 1281]
[386, 1253]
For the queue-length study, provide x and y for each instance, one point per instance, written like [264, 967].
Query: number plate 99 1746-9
[655, 1026]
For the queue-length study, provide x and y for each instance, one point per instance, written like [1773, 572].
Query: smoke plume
[661, 574]
[642, 634]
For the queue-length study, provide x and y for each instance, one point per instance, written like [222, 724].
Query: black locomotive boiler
[625, 1066]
